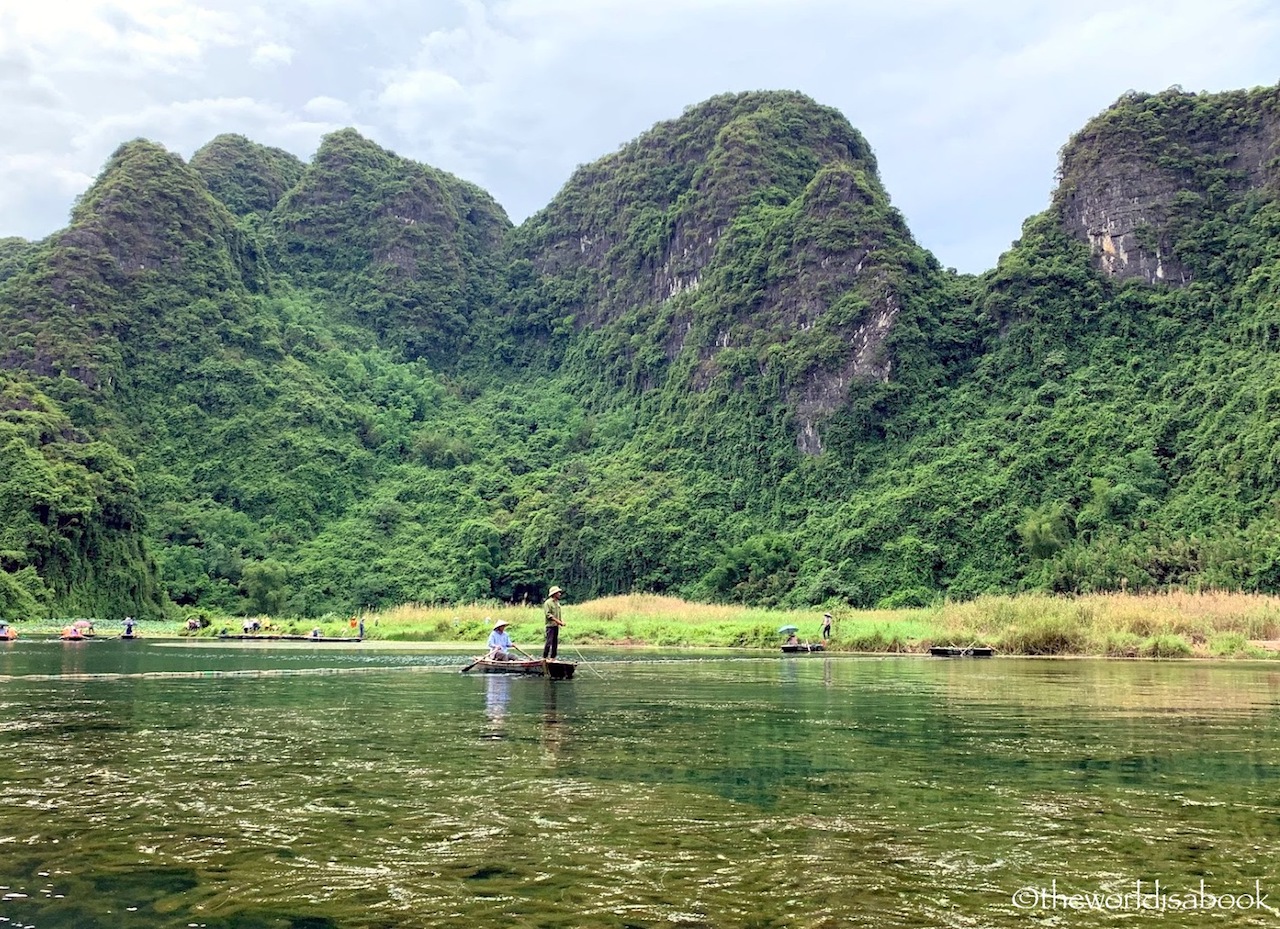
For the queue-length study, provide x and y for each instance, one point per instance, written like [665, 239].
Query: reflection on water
[555, 722]
[497, 696]
[814, 791]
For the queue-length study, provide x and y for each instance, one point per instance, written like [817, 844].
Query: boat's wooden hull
[556, 670]
[953, 651]
[804, 648]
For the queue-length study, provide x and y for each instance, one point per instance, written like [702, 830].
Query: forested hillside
[717, 364]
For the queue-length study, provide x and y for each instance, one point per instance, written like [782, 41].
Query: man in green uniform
[552, 611]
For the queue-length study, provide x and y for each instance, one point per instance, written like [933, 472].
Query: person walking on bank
[551, 609]
[826, 626]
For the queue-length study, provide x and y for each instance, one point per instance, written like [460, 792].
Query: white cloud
[329, 110]
[271, 54]
[408, 90]
[133, 35]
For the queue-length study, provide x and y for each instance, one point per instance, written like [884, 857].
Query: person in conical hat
[551, 610]
[499, 642]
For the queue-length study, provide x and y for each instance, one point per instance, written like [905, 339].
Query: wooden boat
[260, 637]
[804, 647]
[953, 651]
[533, 667]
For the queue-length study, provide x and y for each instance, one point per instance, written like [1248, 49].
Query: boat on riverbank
[970, 651]
[533, 667]
[803, 647]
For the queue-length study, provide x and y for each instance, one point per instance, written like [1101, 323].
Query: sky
[966, 104]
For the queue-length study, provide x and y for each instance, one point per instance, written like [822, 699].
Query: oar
[474, 663]
[585, 662]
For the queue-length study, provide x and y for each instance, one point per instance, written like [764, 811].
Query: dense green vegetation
[717, 365]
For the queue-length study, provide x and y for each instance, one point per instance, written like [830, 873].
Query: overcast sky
[966, 103]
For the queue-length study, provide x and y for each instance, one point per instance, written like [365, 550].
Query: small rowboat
[952, 651]
[804, 647]
[534, 667]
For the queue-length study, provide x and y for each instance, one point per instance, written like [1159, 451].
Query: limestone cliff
[1135, 177]
[749, 238]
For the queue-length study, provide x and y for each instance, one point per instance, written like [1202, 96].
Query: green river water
[154, 784]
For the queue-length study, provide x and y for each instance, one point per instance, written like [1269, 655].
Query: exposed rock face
[1119, 208]
[1131, 173]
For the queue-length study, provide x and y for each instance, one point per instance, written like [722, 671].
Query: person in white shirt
[499, 642]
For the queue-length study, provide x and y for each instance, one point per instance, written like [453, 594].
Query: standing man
[826, 626]
[551, 609]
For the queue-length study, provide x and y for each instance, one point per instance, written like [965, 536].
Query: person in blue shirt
[499, 642]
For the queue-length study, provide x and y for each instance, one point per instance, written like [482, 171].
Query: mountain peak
[407, 243]
[245, 176]
[1152, 166]
[150, 213]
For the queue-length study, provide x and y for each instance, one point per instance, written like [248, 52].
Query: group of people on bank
[500, 644]
[80, 629]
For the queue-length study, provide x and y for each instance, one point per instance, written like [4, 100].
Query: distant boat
[971, 651]
[534, 667]
[803, 647]
[260, 637]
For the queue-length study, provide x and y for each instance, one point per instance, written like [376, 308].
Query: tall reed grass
[1171, 624]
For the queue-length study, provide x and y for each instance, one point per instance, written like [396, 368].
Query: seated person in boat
[792, 640]
[500, 643]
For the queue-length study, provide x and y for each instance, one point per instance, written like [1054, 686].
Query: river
[299, 786]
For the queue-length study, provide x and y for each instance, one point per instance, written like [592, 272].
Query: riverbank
[1167, 625]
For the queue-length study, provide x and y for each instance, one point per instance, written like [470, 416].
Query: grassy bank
[1117, 625]
[1170, 625]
